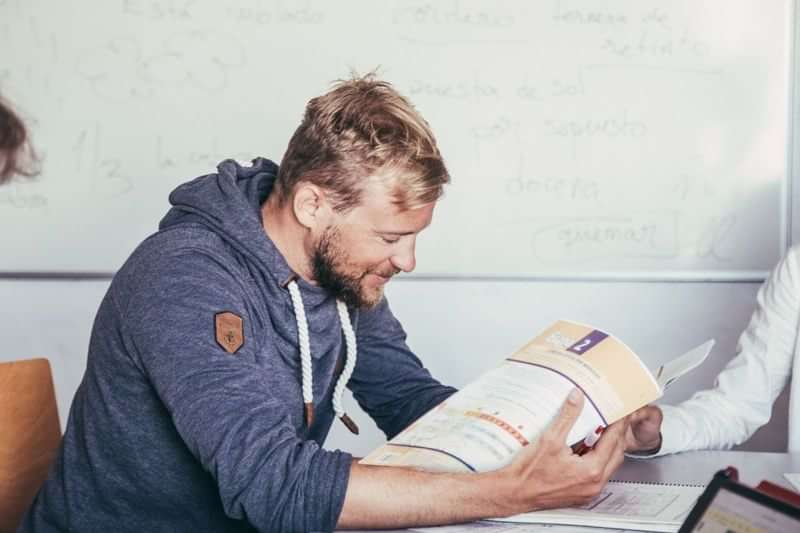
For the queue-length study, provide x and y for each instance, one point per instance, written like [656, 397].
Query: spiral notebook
[631, 505]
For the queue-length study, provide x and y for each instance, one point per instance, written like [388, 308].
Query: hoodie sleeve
[223, 405]
[389, 381]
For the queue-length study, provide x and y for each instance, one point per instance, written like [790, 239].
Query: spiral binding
[658, 483]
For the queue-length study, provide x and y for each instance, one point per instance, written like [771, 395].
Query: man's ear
[310, 206]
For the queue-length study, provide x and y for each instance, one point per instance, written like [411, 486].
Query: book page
[486, 423]
[669, 372]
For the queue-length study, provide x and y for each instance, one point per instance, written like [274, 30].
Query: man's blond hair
[364, 128]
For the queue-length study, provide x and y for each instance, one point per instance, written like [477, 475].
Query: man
[741, 400]
[220, 352]
[16, 156]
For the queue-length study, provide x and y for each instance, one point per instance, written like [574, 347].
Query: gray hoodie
[168, 431]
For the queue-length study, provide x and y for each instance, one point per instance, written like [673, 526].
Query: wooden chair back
[30, 434]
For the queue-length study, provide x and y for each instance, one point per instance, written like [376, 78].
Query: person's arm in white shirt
[742, 397]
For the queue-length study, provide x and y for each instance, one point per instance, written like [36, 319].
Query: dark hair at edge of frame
[361, 126]
[17, 157]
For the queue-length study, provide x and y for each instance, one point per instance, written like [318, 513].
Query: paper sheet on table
[626, 505]
[495, 527]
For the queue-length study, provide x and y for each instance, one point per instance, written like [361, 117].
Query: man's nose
[405, 257]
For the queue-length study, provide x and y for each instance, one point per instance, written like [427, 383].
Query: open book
[484, 425]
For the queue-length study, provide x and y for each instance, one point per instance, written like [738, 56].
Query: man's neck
[288, 236]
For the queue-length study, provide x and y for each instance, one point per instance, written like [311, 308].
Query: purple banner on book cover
[587, 342]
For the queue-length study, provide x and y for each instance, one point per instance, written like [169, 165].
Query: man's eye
[390, 240]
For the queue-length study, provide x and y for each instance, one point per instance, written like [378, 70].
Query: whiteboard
[583, 137]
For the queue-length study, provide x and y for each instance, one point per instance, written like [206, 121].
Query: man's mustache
[388, 273]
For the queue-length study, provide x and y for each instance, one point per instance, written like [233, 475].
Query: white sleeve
[742, 397]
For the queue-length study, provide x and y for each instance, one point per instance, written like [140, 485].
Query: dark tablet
[727, 506]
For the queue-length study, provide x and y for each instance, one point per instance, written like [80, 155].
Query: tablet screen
[728, 507]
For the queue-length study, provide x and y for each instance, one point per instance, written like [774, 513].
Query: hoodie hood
[229, 204]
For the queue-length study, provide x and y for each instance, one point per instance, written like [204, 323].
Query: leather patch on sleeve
[229, 331]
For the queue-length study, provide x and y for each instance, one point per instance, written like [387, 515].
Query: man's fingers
[612, 435]
[616, 459]
[570, 411]
[611, 447]
[618, 453]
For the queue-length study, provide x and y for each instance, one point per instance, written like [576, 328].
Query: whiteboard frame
[792, 215]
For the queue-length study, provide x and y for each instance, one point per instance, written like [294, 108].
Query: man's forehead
[378, 205]
[377, 194]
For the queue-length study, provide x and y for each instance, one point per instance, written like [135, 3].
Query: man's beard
[327, 262]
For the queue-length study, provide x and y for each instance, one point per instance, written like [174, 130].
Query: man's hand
[546, 473]
[644, 433]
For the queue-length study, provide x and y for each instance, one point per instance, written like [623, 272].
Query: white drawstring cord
[349, 366]
[305, 359]
[305, 351]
